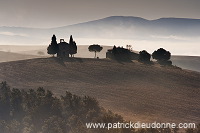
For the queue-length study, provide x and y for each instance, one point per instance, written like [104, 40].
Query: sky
[56, 13]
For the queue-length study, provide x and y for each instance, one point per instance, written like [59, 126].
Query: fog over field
[66, 63]
[178, 35]
[17, 52]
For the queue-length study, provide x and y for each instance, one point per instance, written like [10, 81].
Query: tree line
[54, 49]
[119, 53]
[161, 55]
[124, 54]
[40, 111]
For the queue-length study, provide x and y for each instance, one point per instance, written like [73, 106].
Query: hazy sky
[55, 13]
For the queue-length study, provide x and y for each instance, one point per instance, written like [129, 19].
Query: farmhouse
[121, 54]
[63, 49]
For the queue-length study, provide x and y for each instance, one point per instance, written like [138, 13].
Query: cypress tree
[53, 47]
[72, 46]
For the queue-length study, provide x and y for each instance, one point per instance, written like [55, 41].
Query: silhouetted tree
[95, 48]
[122, 54]
[5, 105]
[45, 113]
[53, 47]
[72, 46]
[144, 56]
[162, 56]
[114, 50]
[54, 124]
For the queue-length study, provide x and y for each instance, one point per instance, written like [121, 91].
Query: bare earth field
[136, 91]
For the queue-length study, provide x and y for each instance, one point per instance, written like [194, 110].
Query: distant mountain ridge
[138, 20]
[117, 21]
[114, 27]
[130, 27]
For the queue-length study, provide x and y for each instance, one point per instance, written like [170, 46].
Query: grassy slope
[136, 91]
[186, 62]
[8, 56]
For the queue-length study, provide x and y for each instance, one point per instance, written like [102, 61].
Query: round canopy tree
[144, 56]
[95, 48]
[162, 56]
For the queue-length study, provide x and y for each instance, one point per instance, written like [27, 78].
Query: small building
[63, 49]
[121, 53]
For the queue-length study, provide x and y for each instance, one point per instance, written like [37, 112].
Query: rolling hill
[136, 91]
[125, 27]
[187, 62]
[9, 56]
[180, 35]
[110, 27]
[28, 52]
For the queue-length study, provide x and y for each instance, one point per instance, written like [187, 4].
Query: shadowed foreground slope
[138, 92]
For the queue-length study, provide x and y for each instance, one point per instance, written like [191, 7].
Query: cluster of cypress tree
[53, 48]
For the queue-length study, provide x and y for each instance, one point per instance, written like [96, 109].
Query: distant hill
[8, 56]
[115, 27]
[122, 27]
[187, 62]
[136, 91]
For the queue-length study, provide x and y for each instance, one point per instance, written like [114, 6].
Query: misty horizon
[37, 13]
[94, 65]
[86, 21]
[178, 35]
